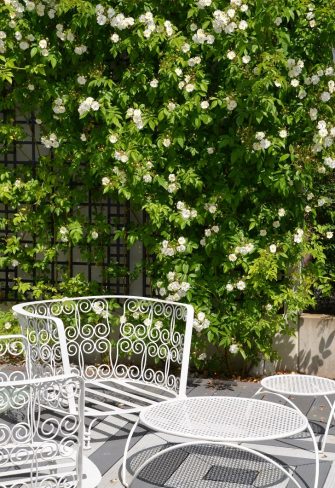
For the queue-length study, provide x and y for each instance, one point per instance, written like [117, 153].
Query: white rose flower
[94, 234]
[281, 212]
[204, 104]
[262, 232]
[24, 45]
[276, 224]
[43, 44]
[113, 138]
[278, 21]
[232, 257]
[154, 83]
[240, 285]
[273, 248]
[246, 59]
[231, 55]
[115, 38]
[260, 136]
[201, 316]
[283, 133]
[233, 349]
[325, 96]
[189, 87]
[166, 142]
[229, 287]
[81, 80]
[105, 181]
[329, 235]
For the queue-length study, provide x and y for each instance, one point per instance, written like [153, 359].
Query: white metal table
[224, 420]
[298, 385]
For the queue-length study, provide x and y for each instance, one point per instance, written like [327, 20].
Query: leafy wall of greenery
[214, 117]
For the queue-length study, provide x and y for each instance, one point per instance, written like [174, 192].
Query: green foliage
[8, 323]
[216, 118]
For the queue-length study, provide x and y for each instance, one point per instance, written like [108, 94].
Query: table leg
[331, 415]
[316, 449]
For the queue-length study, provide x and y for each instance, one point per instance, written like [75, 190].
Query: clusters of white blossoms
[176, 289]
[310, 16]
[211, 208]
[262, 142]
[186, 83]
[239, 285]
[136, 115]
[228, 21]
[109, 16]
[150, 26]
[186, 212]
[121, 156]
[3, 36]
[50, 141]
[30, 6]
[330, 162]
[203, 3]
[100, 309]
[295, 67]
[194, 61]
[58, 106]
[64, 234]
[64, 35]
[298, 236]
[201, 37]
[200, 322]
[82, 49]
[173, 185]
[243, 250]
[170, 249]
[88, 104]
[208, 233]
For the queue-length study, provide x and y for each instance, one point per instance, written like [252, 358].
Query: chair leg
[87, 435]
[125, 453]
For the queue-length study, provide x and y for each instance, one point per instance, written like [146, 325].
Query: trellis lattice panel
[104, 260]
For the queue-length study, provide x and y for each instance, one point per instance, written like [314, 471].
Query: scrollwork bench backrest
[120, 337]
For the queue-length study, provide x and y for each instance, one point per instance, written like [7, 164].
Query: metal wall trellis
[24, 154]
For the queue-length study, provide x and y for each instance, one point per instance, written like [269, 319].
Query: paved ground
[208, 466]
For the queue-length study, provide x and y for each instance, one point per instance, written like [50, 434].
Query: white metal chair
[131, 351]
[41, 433]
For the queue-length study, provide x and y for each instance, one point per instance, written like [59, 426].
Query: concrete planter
[316, 344]
[311, 350]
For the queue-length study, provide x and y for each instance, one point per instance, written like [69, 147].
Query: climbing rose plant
[215, 118]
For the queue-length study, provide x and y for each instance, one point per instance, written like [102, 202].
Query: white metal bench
[131, 351]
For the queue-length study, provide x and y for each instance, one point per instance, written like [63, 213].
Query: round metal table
[299, 385]
[226, 420]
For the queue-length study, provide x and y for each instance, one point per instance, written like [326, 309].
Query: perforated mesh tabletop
[299, 385]
[225, 419]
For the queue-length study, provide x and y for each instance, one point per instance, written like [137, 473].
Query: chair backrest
[132, 338]
[41, 441]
